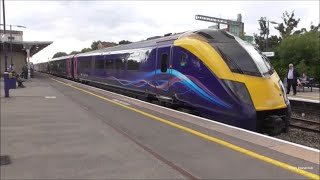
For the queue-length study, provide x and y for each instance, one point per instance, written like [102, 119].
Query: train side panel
[185, 82]
[59, 68]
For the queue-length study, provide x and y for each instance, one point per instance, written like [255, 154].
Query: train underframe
[274, 122]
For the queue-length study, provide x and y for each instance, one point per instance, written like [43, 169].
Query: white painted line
[305, 100]
[50, 97]
[208, 120]
[121, 102]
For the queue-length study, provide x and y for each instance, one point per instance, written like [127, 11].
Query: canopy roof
[34, 46]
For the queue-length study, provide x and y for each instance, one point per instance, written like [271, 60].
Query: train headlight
[283, 91]
[239, 90]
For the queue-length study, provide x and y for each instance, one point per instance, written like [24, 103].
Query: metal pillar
[28, 61]
[4, 44]
[11, 44]
[5, 75]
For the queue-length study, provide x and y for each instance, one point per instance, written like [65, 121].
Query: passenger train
[211, 72]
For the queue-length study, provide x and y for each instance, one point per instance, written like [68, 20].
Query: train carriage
[211, 72]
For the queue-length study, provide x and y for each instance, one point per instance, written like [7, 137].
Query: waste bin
[6, 84]
[12, 83]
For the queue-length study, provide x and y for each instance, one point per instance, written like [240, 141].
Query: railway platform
[307, 95]
[59, 129]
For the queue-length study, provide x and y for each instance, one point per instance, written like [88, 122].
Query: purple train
[210, 72]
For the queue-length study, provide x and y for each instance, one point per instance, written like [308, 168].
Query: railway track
[305, 124]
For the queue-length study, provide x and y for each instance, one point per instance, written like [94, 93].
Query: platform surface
[306, 95]
[59, 129]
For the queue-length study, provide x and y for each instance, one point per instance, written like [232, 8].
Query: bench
[308, 84]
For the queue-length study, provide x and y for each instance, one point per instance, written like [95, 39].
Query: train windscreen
[261, 60]
[243, 58]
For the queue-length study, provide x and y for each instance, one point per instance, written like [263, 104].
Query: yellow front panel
[265, 92]
[206, 53]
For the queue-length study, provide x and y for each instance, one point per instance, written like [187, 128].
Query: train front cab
[270, 112]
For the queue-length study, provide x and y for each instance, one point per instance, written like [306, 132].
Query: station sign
[268, 54]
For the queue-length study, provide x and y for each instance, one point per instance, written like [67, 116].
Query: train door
[69, 68]
[72, 67]
[163, 73]
[75, 67]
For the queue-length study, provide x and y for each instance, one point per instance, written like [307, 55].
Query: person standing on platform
[292, 78]
[25, 71]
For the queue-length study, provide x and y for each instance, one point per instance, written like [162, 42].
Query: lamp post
[6, 74]
[272, 22]
[4, 33]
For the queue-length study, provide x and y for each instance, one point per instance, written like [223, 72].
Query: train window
[133, 61]
[145, 56]
[237, 58]
[84, 63]
[196, 63]
[64, 64]
[99, 64]
[109, 64]
[164, 62]
[132, 65]
[260, 60]
[119, 64]
[183, 61]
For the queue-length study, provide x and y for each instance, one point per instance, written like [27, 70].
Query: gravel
[309, 116]
[298, 136]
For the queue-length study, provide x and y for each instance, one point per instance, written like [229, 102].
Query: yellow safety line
[207, 137]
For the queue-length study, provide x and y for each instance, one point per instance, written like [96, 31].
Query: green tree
[273, 41]
[59, 54]
[260, 38]
[260, 42]
[303, 51]
[124, 42]
[86, 50]
[314, 28]
[94, 45]
[263, 27]
[286, 29]
[302, 67]
[74, 52]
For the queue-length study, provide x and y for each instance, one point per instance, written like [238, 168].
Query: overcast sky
[73, 25]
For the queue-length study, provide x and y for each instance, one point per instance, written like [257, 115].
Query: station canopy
[21, 46]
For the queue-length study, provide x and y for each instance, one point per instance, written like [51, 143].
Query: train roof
[62, 57]
[211, 35]
[136, 45]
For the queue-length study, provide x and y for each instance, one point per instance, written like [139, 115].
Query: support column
[28, 61]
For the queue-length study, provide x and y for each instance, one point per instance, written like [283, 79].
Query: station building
[18, 51]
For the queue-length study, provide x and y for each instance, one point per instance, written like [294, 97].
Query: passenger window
[109, 64]
[133, 61]
[99, 64]
[119, 64]
[183, 61]
[164, 62]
